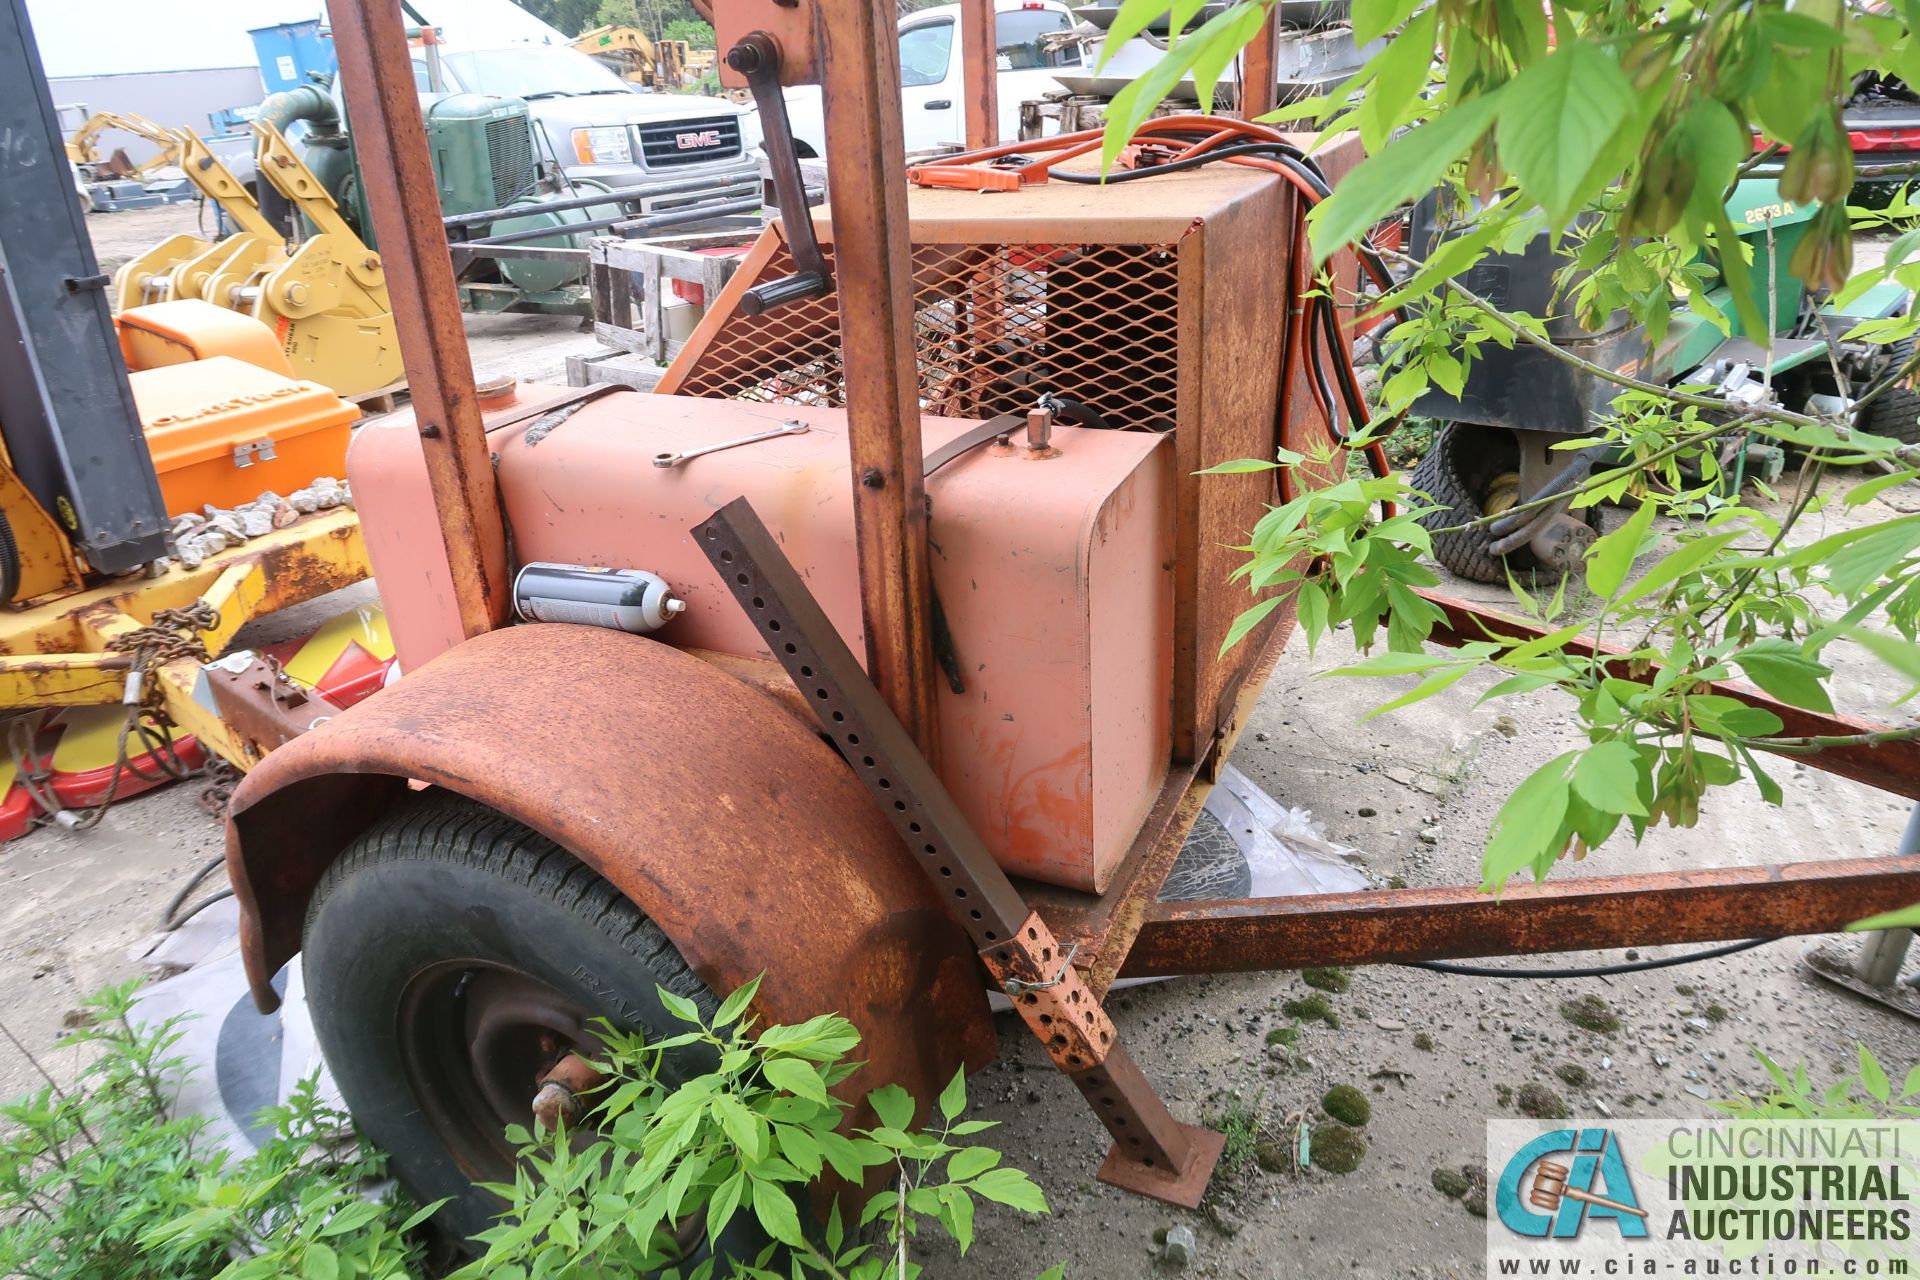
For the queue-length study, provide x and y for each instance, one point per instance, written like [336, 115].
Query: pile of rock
[196, 536]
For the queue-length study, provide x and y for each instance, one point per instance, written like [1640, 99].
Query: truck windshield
[1019, 34]
[532, 71]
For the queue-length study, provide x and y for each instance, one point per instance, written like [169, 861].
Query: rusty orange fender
[715, 810]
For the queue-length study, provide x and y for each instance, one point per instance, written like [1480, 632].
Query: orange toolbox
[222, 431]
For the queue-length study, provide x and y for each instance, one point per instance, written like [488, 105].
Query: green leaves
[1247, 620]
[1528, 824]
[953, 1098]
[1404, 170]
[893, 1105]
[736, 1004]
[1557, 119]
[1612, 555]
[1400, 72]
[1783, 670]
[1010, 1187]
[774, 1208]
[796, 1077]
[1203, 55]
[971, 1162]
[1609, 777]
[677, 1005]
[745, 1136]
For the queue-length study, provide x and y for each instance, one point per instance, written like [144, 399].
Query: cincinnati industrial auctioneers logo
[1720, 1197]
[1586, 1177]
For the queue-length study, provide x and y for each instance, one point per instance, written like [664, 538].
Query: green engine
[482, 150]
[484, 157]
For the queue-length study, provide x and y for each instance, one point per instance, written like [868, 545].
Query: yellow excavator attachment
[217, 273]
[327, 302]
[149, 277]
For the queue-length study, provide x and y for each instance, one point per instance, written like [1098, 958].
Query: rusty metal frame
[1152, 1152]
[1054, 953]
[1587, 913]
[979, 80]
[866, 154]
[397, 175]
[1259, 78]
[1055, 987]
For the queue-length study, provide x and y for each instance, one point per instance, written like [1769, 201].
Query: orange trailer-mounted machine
[927, 686]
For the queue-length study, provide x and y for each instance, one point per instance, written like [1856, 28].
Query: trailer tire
[1895, 412]
[450, 955]
[1456, 473]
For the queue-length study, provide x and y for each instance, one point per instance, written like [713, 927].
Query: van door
[930, 84]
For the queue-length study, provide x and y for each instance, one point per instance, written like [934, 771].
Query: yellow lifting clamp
[327, 303]
[220, 271]
[149, 277]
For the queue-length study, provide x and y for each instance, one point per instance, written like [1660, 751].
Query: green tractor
[1494, 446]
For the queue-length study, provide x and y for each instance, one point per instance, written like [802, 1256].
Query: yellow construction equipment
[83, 148]
[180, 265]
[324, 298]
[327, 302]
[636, 58]
[223, 270]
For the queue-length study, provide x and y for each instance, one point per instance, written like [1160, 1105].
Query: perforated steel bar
[1153, 1152]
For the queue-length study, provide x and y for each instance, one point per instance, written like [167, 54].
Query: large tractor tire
[1895, 412]
[1470, 471]
[451, 957]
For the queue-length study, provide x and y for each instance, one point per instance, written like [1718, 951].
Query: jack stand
[1875, 972]
[1152, 1153]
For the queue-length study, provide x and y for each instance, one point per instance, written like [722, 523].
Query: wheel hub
[478, 1042]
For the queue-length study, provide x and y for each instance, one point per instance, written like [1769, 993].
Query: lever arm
[757, 57]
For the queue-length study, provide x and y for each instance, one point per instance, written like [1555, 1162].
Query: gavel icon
[1550, 1188]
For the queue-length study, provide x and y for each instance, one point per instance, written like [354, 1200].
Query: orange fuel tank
[1055, 577]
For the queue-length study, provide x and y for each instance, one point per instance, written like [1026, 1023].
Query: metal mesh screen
[995, 325]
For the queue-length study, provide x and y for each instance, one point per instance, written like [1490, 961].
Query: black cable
[1074, 411]
[1588, 971]
[169, 921]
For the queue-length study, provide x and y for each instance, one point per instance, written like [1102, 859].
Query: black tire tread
[1895, 412]
[1463, 552]
[447, 828]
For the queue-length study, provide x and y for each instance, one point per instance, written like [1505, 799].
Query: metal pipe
[306, 102]
[1259, 78]
[1885, 950]
[621, 195]
[639, 227]
[377, 74]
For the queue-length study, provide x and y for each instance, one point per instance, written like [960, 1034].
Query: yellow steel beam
[236, 596]
[63, 679]
[317, 554]
[57, 654]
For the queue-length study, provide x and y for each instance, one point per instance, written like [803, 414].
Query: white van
[931, 98]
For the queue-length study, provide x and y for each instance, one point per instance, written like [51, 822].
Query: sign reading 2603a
[1767, 212]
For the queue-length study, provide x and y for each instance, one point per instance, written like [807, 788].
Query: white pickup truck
[930, 61]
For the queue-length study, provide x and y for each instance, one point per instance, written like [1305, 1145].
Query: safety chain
[173, 634]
